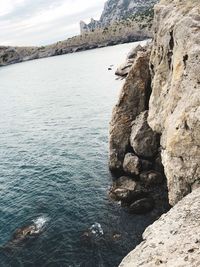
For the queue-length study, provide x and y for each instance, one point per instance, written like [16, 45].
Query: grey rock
[124, 68]
[119, 194]
[151, 178]
[132, 101]
[133, 53]
[174, 109]
[127, 197]
[131, 164]
[144, 141]
[117, 10]
[125, 182]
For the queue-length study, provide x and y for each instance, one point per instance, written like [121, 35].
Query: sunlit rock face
[174, 109]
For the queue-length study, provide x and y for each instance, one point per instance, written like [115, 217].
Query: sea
[54, 175]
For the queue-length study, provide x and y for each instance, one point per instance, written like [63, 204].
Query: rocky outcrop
[143, 140]
[118, 10]
[173, 240]
[174, 109]
[133, 100]
[123, 69]
[174, 117]
[94, 34]
[134, 146]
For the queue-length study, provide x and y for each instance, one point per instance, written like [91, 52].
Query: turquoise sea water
[54, 117]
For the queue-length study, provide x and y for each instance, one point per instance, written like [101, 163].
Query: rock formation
[175, 101]
[133, 100]
[164, 136]
[173, 240]
[134, 146]
[122, 21]
[118, 10]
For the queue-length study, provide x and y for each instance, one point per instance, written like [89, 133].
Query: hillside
[120, 23]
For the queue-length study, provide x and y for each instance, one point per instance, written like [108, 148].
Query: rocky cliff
[118, 10]
[121, 22]
[175, 101]
[157, 121]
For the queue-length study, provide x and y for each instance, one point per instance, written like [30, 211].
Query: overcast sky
[39, 22]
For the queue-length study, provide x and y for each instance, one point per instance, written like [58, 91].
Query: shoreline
[82, 48]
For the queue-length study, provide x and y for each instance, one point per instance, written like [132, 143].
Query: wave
[40, 223]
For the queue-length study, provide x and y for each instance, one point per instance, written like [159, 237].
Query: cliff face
[122, 9]
[174, 106]
[174, 109]
[119, 10]
[174, 115]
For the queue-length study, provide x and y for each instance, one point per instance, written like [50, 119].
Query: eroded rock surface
[174, 109]
[133, 100]
[131, 164]
[124, 68]
[173, 240]
[143, 140]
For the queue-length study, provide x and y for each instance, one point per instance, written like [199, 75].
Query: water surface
[54, 117]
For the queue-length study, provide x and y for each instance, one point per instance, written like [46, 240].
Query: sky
[40, 22]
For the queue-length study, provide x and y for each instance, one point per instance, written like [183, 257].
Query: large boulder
[143, 140]
[174, 109]
[125, 182]
[132, 164]
[173, 240]
[133, 100]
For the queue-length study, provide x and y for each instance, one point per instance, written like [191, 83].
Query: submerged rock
[32, 230]
[144, 141]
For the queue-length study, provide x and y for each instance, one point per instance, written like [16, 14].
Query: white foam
[96, 229]
[40, 222]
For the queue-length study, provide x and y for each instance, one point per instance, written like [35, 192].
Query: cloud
[36, 22]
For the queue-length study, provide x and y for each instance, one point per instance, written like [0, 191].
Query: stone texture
[131, 164]
[143, 140]
[151, 178]
[124, 68]
[133, 100]
[174, 109]
[125, 182]
[128, 197]
[133, 52]
[118, 10]
[173, 240]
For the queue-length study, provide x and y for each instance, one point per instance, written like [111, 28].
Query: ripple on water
[53, 168]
